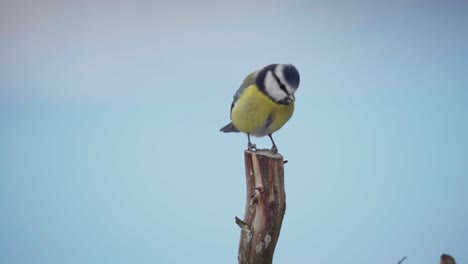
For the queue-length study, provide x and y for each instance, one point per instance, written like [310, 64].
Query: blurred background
[110, 150]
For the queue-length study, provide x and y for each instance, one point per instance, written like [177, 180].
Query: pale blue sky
[110, 150]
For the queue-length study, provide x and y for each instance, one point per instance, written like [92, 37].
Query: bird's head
[279, 82]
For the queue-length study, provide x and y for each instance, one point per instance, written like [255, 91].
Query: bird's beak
[291, 96]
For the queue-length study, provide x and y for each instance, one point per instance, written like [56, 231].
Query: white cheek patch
[279, 71]
[272, 88]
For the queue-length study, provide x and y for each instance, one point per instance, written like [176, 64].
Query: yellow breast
[256, 114]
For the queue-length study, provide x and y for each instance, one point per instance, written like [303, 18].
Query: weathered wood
[265, 207]
[447, 259]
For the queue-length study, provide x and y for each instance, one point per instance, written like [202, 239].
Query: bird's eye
[282, 87]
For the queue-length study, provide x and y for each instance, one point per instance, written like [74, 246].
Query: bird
[264, 102]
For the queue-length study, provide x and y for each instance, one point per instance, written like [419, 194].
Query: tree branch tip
[240, 223]
[403, 259]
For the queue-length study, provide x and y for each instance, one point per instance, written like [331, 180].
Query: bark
[265, 207]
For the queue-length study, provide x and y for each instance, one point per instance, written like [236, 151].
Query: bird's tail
[229, 128]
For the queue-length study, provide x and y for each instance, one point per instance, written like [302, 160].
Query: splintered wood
[265, 207]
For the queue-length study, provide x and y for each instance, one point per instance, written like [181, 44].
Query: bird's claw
[274, 150]
[251, 147]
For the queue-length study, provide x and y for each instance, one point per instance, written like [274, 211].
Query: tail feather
[229, 128]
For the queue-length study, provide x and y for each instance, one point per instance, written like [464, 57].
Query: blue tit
[264, 102]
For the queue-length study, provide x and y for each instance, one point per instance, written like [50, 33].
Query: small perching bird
[264, 102]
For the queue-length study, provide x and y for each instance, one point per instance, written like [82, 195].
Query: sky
[110, 150]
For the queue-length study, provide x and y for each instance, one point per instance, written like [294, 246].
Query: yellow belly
[256, 114]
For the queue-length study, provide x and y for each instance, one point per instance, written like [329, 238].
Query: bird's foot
[274, 150]
[251, 147]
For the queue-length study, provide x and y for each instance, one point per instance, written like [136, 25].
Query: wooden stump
[447, 259]
[265, 207]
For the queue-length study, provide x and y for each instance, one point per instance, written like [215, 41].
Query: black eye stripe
[281, 85]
